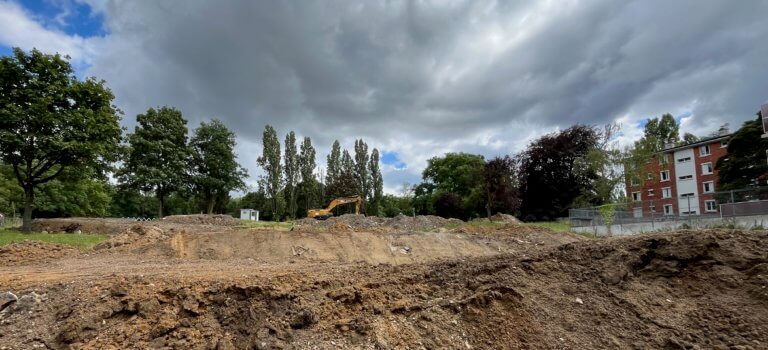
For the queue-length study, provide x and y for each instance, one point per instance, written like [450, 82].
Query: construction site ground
[201, 282]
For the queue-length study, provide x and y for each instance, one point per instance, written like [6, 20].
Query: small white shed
[249, 214]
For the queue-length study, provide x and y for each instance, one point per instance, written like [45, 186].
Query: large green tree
[214, 166]
[272, 180]
[745, 163]
[50, 121]
[157, 154]
[377, 184]
[660, 132]
[292, 172]
[450, 182]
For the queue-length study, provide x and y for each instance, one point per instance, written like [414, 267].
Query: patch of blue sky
[68, 16]
[393, 159]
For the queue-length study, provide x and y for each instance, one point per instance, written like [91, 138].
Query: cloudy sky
[415, 79]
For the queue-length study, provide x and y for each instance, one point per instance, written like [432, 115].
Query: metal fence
[724, 204]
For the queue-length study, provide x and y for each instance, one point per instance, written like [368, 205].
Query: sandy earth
[466, 287]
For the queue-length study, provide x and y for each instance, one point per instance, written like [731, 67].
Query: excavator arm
[323, 214]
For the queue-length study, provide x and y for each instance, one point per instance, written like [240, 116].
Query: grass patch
[266, 225]
[82, 241]
[557, 226]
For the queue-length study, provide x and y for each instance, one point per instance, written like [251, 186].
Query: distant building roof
[703, 141]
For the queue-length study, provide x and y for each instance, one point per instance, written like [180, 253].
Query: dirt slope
[687, 290]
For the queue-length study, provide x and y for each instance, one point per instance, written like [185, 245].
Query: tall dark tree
[377, 184]
[272, 179]
[333, 166]
[50, 121]
[362, 176]
[745, 163]
[502, 195]
[292, 172]
[157, 154]
[548, 182]
[214, 166]
[307, 165]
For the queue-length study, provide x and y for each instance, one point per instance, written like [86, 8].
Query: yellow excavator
[322, 214]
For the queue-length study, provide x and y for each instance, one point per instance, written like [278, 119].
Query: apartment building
[679, 180]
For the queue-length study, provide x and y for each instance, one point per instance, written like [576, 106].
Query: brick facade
[674, 167]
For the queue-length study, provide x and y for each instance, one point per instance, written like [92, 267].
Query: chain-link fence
[682, 209]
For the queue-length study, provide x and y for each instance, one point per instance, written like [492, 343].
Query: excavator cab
[322, 214]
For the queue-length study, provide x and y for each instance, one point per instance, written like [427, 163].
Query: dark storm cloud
[420, 77]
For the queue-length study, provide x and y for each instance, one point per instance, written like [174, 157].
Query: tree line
[63, 153]
[290, 184]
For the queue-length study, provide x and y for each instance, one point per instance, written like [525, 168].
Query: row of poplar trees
[292, 176]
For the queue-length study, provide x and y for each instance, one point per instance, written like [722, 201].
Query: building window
[710, 205]
[650, 192]
[723, 143]
[664, 175]
[704, 150]
[663, 159]
[652, 208]
[666, 192]
[706, 168]
[683, 160]
[686, 195]
[636, 196]
[668, 209]
[649, 176]
[633, 181]
[709, 187]
[686, 177]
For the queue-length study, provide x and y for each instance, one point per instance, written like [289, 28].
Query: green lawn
[557, 226]
[82, 241]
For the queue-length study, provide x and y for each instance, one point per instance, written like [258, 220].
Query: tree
[362, 177]
[292, 172]
[689, 138]
[377, 183]
[602, 165]
[499, 182]
[745, 163]
[307, 165]
[548, 183]
[270, 161]
[214, 166]
[50, 121]
[157, 154]
[449, 205]
[460, 174]
[660, 132]
[334, 167]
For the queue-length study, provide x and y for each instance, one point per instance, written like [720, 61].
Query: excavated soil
[467, 287]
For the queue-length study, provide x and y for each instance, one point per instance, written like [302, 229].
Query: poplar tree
[270, 162]
[377, 183]
[333, 167]
[307, 165]
[362, 178]
[292, 173]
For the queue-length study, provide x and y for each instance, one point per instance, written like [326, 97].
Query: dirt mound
[686, 290]
[505, 218]
[311, 247]
[29, 252]
[134, 237]
[203, 219]
[400, 223]
[539, 236]
[82, 225]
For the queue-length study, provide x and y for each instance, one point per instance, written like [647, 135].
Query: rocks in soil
[352, 222]
[6, 299]
[137, 235]
[505, 218]
[29, 252]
